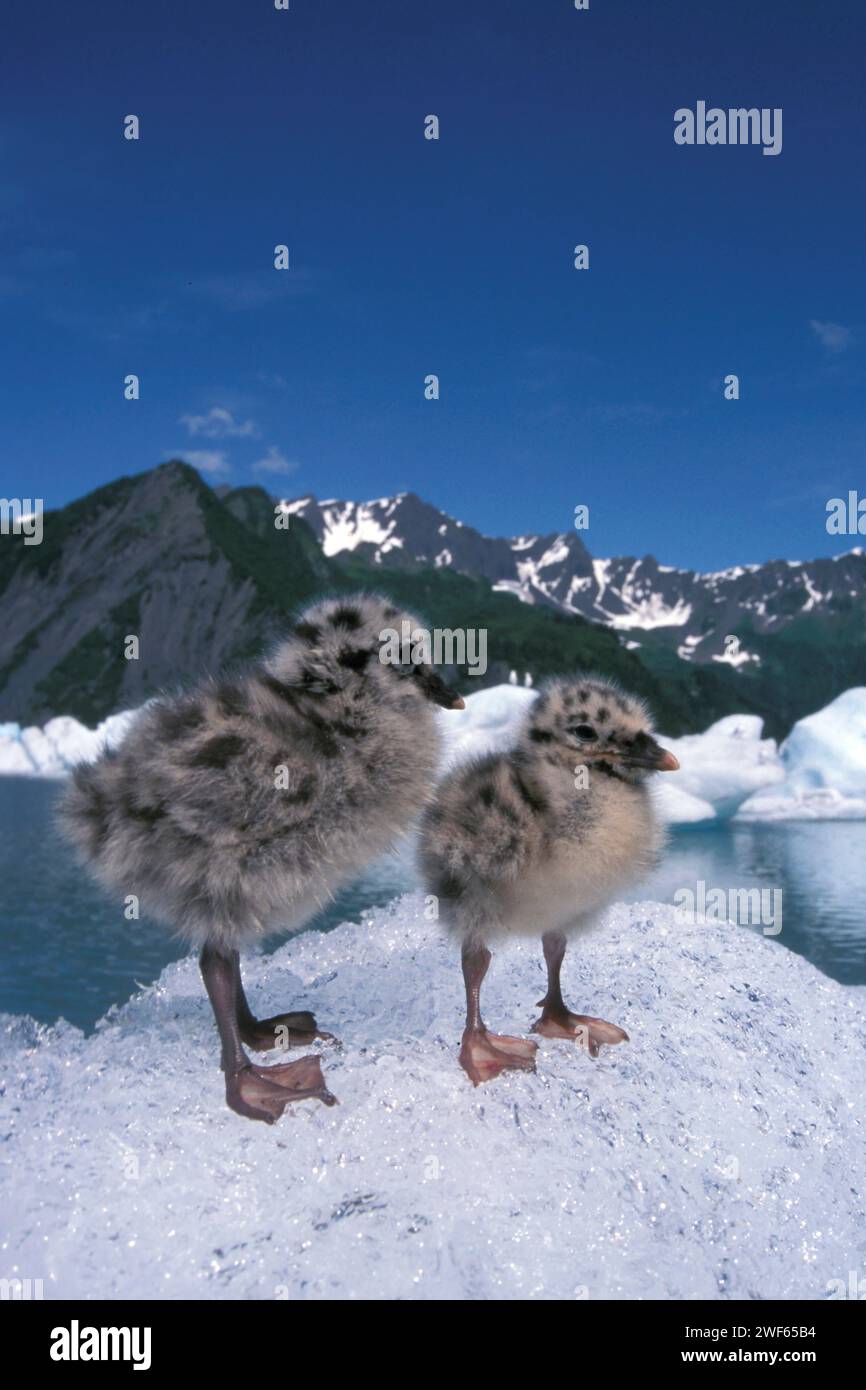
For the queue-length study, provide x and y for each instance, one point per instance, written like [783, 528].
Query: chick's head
[588, 719]
[361, 644]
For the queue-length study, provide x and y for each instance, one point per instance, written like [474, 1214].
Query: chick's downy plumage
[538, 840]
[239, 808]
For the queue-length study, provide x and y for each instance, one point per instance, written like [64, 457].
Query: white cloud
[207, 460]
[834, 337]
[274, 462]
[219, 424]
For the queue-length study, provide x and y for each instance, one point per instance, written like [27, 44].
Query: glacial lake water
[67, 951]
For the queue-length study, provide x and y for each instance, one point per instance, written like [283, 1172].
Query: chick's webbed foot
[262, 1093]
[484, 1055]
[282, 1031]
[586, 1031]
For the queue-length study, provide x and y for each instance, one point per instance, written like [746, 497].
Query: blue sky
[454, 257]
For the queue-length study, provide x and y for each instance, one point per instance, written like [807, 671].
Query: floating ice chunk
[824, 766]
[488, 724]
[722, 767]
[820, 803]
[710, 1157]
[14, 758]
[43, 753]
[828, 749]
[74, 742]
[52, 751]
[678, 807]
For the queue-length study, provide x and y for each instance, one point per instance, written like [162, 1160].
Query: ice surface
[716, 1155]
[824, 766]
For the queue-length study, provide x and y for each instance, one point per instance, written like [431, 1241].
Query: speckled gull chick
[237, 809]
[537, 841]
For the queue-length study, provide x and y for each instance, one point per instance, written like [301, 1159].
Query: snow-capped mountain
[205, 580]
[404, 528]
[699, 612]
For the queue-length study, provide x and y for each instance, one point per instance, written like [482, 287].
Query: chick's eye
[583, 730]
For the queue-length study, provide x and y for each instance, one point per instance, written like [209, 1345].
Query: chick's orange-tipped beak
[667, 762]
[650, 755]
[436, 690]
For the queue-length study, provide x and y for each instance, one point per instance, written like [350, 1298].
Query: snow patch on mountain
[347, 526]
[515, 587]
[649, 611]
[736, 656]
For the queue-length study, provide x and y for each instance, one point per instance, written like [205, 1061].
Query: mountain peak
[696, 614]
[406, 528]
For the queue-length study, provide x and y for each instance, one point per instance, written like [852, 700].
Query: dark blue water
[67, 950]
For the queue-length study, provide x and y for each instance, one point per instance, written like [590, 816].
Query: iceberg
[488, 724]
[729, 771]
[823, 763]
[52, 751]
[714, 1156]
[719, 770]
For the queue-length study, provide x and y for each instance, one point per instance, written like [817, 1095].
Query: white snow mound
[713, 1156]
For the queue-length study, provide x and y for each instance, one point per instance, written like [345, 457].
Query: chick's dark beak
[436, 690]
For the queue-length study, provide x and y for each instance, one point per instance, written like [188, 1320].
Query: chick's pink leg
[484, 1055]
[557, 1021]
[258, 1093]
[280, 1032]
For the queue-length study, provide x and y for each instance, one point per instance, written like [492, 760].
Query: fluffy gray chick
[536, 841]
[238, 809]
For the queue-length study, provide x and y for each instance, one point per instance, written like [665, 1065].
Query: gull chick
[537, 841]
[237, 809]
